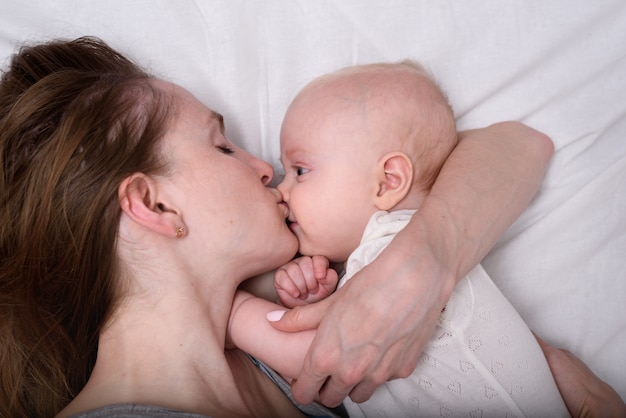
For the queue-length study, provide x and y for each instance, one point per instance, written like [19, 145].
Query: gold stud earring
[180, 232]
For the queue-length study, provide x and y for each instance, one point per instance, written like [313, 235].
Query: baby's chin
[307, 249]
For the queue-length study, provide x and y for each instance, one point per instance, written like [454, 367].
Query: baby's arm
[305, 280]
[250, 331]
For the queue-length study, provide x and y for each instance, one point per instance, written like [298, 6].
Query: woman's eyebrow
[220, 118]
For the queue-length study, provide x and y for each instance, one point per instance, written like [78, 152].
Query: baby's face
[330, 177]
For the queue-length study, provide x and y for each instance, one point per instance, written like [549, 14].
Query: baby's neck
[412, 201]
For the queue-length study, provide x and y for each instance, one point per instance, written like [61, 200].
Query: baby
[361, 148]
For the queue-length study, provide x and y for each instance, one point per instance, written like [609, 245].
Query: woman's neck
[167, 350]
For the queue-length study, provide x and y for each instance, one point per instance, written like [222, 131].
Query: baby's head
[386, 106]
[361, 139]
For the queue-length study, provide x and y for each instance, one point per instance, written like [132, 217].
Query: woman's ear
[139, 200]
[395, 178]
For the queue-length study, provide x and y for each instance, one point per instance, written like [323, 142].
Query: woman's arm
[374, 328]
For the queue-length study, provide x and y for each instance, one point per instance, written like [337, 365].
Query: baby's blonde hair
[417, 108]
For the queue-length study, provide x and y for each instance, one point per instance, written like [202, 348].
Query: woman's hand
[583, 392]
[367, 329]
[374, 328]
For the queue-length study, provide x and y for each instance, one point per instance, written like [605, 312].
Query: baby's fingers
[283, 280]
[308, 274]
[320, 266]
[325, 275]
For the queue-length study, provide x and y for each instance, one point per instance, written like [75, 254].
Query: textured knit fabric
[135, 411]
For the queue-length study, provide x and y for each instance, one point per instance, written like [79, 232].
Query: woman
[99, 160]
[126, 228]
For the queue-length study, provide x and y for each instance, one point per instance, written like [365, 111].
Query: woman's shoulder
[134, 411]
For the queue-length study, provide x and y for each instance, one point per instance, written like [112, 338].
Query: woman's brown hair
[76, 118]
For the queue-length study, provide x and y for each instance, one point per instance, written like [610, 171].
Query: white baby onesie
[483, 361]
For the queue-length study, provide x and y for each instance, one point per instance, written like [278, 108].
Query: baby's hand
[305, 280]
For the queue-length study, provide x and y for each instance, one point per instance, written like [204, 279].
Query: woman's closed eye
[225, 149]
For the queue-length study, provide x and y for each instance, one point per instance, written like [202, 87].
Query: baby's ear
[140, 201]
[395, 178]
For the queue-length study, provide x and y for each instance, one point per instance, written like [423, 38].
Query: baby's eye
[225, 149]
[300, 171]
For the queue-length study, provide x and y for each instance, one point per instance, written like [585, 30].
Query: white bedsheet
[557, 65]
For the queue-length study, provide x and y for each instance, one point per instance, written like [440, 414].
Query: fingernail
[274, 315]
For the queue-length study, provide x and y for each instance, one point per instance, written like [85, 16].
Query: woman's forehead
[187, 106]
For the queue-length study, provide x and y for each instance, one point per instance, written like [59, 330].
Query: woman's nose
[263, 169]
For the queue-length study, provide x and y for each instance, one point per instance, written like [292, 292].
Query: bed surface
[557, 65]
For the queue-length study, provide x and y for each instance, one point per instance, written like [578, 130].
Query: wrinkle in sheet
[205, 23]
[569, 43]
[265, 107]
[576, 85]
